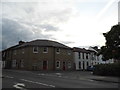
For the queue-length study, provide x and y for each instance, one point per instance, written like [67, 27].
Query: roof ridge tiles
[43, 42]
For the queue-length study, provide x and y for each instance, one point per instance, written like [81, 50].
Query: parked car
[90, 68]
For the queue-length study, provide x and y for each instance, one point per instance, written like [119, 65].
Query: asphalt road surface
[25, 80]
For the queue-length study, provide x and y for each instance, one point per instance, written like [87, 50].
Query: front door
[44, 65]
[64, 66]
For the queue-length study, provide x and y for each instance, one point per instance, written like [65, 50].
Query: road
[28, 79]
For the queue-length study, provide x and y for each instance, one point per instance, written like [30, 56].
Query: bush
[107, 69]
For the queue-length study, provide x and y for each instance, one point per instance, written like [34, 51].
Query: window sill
[35, 52]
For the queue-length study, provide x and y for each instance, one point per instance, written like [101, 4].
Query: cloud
[32, 20]
[67, 42]
[72, 22]
[13, 31]
[48, 27]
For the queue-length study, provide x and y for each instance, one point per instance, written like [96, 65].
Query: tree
[112, 47]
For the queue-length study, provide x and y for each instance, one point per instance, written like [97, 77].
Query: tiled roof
[10, 48]
[43, 43]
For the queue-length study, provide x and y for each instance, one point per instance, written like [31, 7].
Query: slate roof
[43, 43]
[10, 48]
[75, 49]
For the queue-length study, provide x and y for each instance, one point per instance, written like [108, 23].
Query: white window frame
[69, 52]
[69, 64]
[4, 54]
[58, 50]
[34, 50]
[14, 63]
[15, 52]
[46, 50]
[23, 51]
[58, 62]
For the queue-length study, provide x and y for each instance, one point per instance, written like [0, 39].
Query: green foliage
[112, 48]
[107, 69]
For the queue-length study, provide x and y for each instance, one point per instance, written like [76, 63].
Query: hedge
[107, 69]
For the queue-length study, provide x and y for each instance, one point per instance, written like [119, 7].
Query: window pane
[79, 56]
[69, 64]
[35, 49]
[58, 64]
[83, 55]
[58, 50]
[45, 49]
[86, 56]
[14, 63]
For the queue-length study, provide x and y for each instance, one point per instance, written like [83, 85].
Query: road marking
[58, 73]
[20, 86]
[38, 83]
[8, 76]
[42, 74]
[91, 80]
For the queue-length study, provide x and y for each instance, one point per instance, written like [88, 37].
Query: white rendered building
[84, 58]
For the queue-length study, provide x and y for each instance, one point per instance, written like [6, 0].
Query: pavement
[80, 75]
[106, 79]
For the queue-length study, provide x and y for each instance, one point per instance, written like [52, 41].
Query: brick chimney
[21, 42]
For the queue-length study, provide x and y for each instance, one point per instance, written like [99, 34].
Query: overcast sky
[76, 23]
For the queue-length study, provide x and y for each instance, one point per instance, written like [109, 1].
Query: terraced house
[84, 58]
[39, 55]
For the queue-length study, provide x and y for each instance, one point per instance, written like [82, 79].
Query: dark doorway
[44, 65]
[64, 66]
[83, 65]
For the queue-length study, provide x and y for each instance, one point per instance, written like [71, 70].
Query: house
[84, 58]
[99, 58]
[81, 58]
[7, 57]
[95, 59]
[105, 61]
[39, 55]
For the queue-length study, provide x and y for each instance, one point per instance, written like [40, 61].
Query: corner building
[42, 55]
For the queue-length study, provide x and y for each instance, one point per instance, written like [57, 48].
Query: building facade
[39, 55]
[84, 58]
[81, 58]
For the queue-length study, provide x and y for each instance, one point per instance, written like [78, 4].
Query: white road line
[20, 86]
[8, 76]
[45, 75]
[41, 74]
[58, 73]
[91, 80]
[38, 83]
